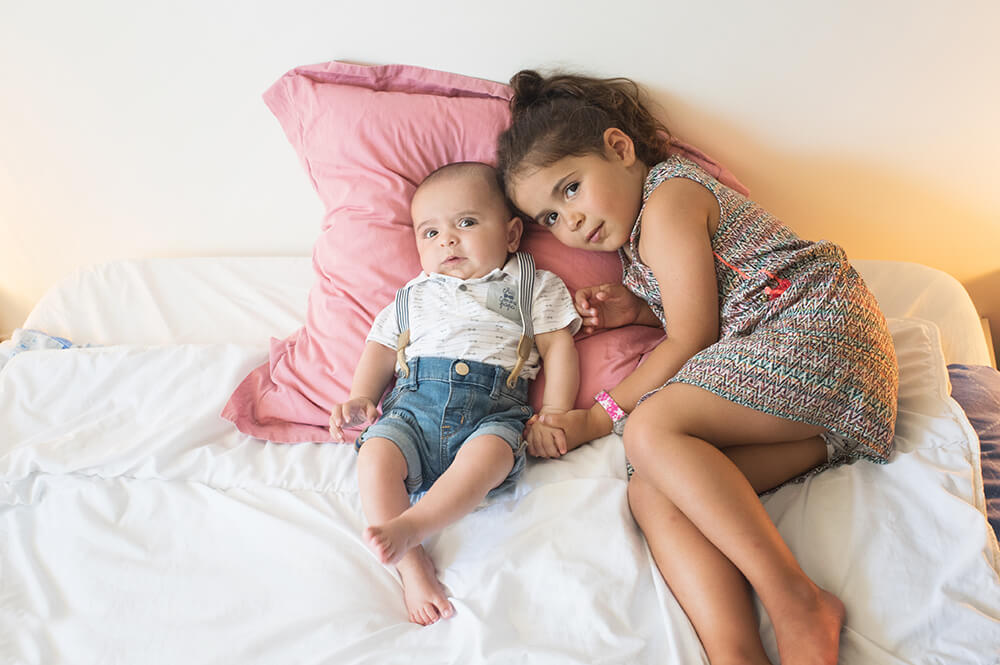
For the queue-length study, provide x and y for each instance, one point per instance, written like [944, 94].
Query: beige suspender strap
[523, 351]
[401, 342]
[526, 288]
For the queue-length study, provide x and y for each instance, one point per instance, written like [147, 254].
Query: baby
[464, 339]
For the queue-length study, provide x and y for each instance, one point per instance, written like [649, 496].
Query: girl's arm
[612, 306]
[678, 220]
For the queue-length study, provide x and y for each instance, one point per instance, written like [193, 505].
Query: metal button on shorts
[461, 368]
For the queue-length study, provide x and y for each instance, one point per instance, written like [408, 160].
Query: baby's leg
[481, 464]
[381, 480]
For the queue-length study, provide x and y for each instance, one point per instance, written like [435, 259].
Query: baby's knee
[377, 453]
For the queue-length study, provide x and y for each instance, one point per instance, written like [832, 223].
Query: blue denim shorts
[443, 403]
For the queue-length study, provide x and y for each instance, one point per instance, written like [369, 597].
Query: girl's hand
[544, 440]
[607, 306]
[350, 413]
[577, 426]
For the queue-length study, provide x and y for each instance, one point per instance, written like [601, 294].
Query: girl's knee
[648, 428]
[665, 419]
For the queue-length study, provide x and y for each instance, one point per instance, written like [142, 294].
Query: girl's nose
[574, 219]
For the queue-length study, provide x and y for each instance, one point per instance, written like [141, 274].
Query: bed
[138, 526]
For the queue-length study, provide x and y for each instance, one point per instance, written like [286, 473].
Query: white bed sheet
[138, 526]
[245, 300]
[235, 300]
[914, 291]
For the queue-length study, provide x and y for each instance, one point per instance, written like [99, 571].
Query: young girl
[777, 360]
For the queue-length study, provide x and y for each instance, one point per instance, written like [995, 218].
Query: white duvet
[139, 527]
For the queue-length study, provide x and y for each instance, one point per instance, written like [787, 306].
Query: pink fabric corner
[401, 78]
[366, 135]
[712, 167]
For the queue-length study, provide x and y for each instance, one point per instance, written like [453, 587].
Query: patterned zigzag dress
[800, 335]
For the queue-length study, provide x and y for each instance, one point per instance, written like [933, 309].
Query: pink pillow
[367, 135]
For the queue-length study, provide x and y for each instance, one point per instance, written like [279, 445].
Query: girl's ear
[514, 230]
[619, 144]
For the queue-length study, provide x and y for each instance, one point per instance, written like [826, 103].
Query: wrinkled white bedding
[243, 300]
[136, 526]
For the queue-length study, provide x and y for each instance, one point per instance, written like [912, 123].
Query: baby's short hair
[487, 173]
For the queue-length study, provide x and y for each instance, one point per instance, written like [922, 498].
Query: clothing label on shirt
[502, 299]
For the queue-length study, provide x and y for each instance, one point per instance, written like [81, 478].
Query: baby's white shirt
[477, 319]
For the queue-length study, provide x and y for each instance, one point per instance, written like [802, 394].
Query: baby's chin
[461, 270]
[460, 274]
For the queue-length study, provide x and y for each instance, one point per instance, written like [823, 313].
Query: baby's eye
[571, 189]
[430, 233]
[550, 219]
[466, 222]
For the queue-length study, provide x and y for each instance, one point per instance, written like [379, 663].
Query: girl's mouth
[592, 237]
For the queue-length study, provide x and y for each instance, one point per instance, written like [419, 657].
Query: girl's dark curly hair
[566, 115]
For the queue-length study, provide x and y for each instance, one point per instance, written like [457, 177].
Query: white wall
[133, 129]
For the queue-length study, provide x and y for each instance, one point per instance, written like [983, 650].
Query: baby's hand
[350, 413]
[544, 440]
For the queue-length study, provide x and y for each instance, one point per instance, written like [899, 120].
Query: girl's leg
[482, 463]
[714, 594]
[381, 480]
[712, 591]
[767, 465]
[667, 440]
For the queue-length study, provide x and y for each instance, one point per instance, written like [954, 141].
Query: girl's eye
[550, 219]
[571, 189]
[466, 222]
[430, 233]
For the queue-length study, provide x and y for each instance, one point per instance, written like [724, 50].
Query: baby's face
[463, 228]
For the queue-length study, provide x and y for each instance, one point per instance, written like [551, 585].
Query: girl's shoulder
[676, 166]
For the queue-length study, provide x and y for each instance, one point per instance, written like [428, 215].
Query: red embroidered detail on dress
[781, 284]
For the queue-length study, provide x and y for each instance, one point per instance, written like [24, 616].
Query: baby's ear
[514, 230]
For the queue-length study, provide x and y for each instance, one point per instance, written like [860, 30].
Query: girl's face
[591, 201]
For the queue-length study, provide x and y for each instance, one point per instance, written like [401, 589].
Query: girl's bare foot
[423, 594]
[392, 540]
[811, 635]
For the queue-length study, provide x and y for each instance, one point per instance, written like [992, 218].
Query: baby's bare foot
[811, 636]
[391, 541]
[423, 594]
